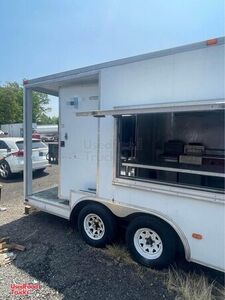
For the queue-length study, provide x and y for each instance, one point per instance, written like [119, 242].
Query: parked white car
[11, 156]
[2, 133]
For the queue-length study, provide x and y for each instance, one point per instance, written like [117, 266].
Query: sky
[41, 37]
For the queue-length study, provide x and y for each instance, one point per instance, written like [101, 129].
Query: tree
[11, 105]
[48, 120]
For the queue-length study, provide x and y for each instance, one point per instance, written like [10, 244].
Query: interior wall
[146, 137]
[154, 130]
[206, 128]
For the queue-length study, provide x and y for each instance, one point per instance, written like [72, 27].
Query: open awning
[215, 104]
[51, 84]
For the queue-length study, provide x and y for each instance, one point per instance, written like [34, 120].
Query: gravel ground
[62, 264]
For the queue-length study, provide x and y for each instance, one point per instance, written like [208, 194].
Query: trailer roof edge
[165, 52]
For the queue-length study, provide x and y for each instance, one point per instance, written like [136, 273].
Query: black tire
[164, 251]
[107, 235]
[5, 171]
[40, 171]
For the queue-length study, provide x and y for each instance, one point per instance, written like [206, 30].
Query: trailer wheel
[97, 225]
[151, 242]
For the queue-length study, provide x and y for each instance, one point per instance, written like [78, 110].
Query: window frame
[159, 186]
[178, 106]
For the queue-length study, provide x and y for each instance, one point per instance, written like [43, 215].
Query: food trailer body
[142, 142]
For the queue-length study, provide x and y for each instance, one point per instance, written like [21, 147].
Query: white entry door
[78, 151]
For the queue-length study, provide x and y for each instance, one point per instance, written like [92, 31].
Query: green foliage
[11, 105]
[48, 120]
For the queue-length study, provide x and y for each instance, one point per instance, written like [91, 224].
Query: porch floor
[51, 195]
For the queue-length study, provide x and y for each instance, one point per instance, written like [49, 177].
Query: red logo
[24, 288]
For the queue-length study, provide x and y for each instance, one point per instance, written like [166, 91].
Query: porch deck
[50, 195]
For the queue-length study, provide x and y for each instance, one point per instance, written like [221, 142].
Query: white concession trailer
[142, 145]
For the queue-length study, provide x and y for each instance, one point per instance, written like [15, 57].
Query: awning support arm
[205, 105]
[27, 128]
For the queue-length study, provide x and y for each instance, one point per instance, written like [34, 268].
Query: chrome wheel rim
[94, 226]
[148, 243]
[4, 172]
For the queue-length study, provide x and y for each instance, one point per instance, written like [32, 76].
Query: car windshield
[35, 145]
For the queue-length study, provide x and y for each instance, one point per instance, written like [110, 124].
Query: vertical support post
[27, 132]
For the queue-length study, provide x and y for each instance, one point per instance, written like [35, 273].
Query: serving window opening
[173, 148]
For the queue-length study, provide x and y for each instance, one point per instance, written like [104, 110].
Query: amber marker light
[211, 42]
[197, 236]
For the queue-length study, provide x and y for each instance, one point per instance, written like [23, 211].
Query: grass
[119, 254]
[190, 286]
[187, 286]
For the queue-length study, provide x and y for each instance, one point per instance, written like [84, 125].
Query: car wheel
[97, 225]
[41, 170]
[151, 242]
[5, 171]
